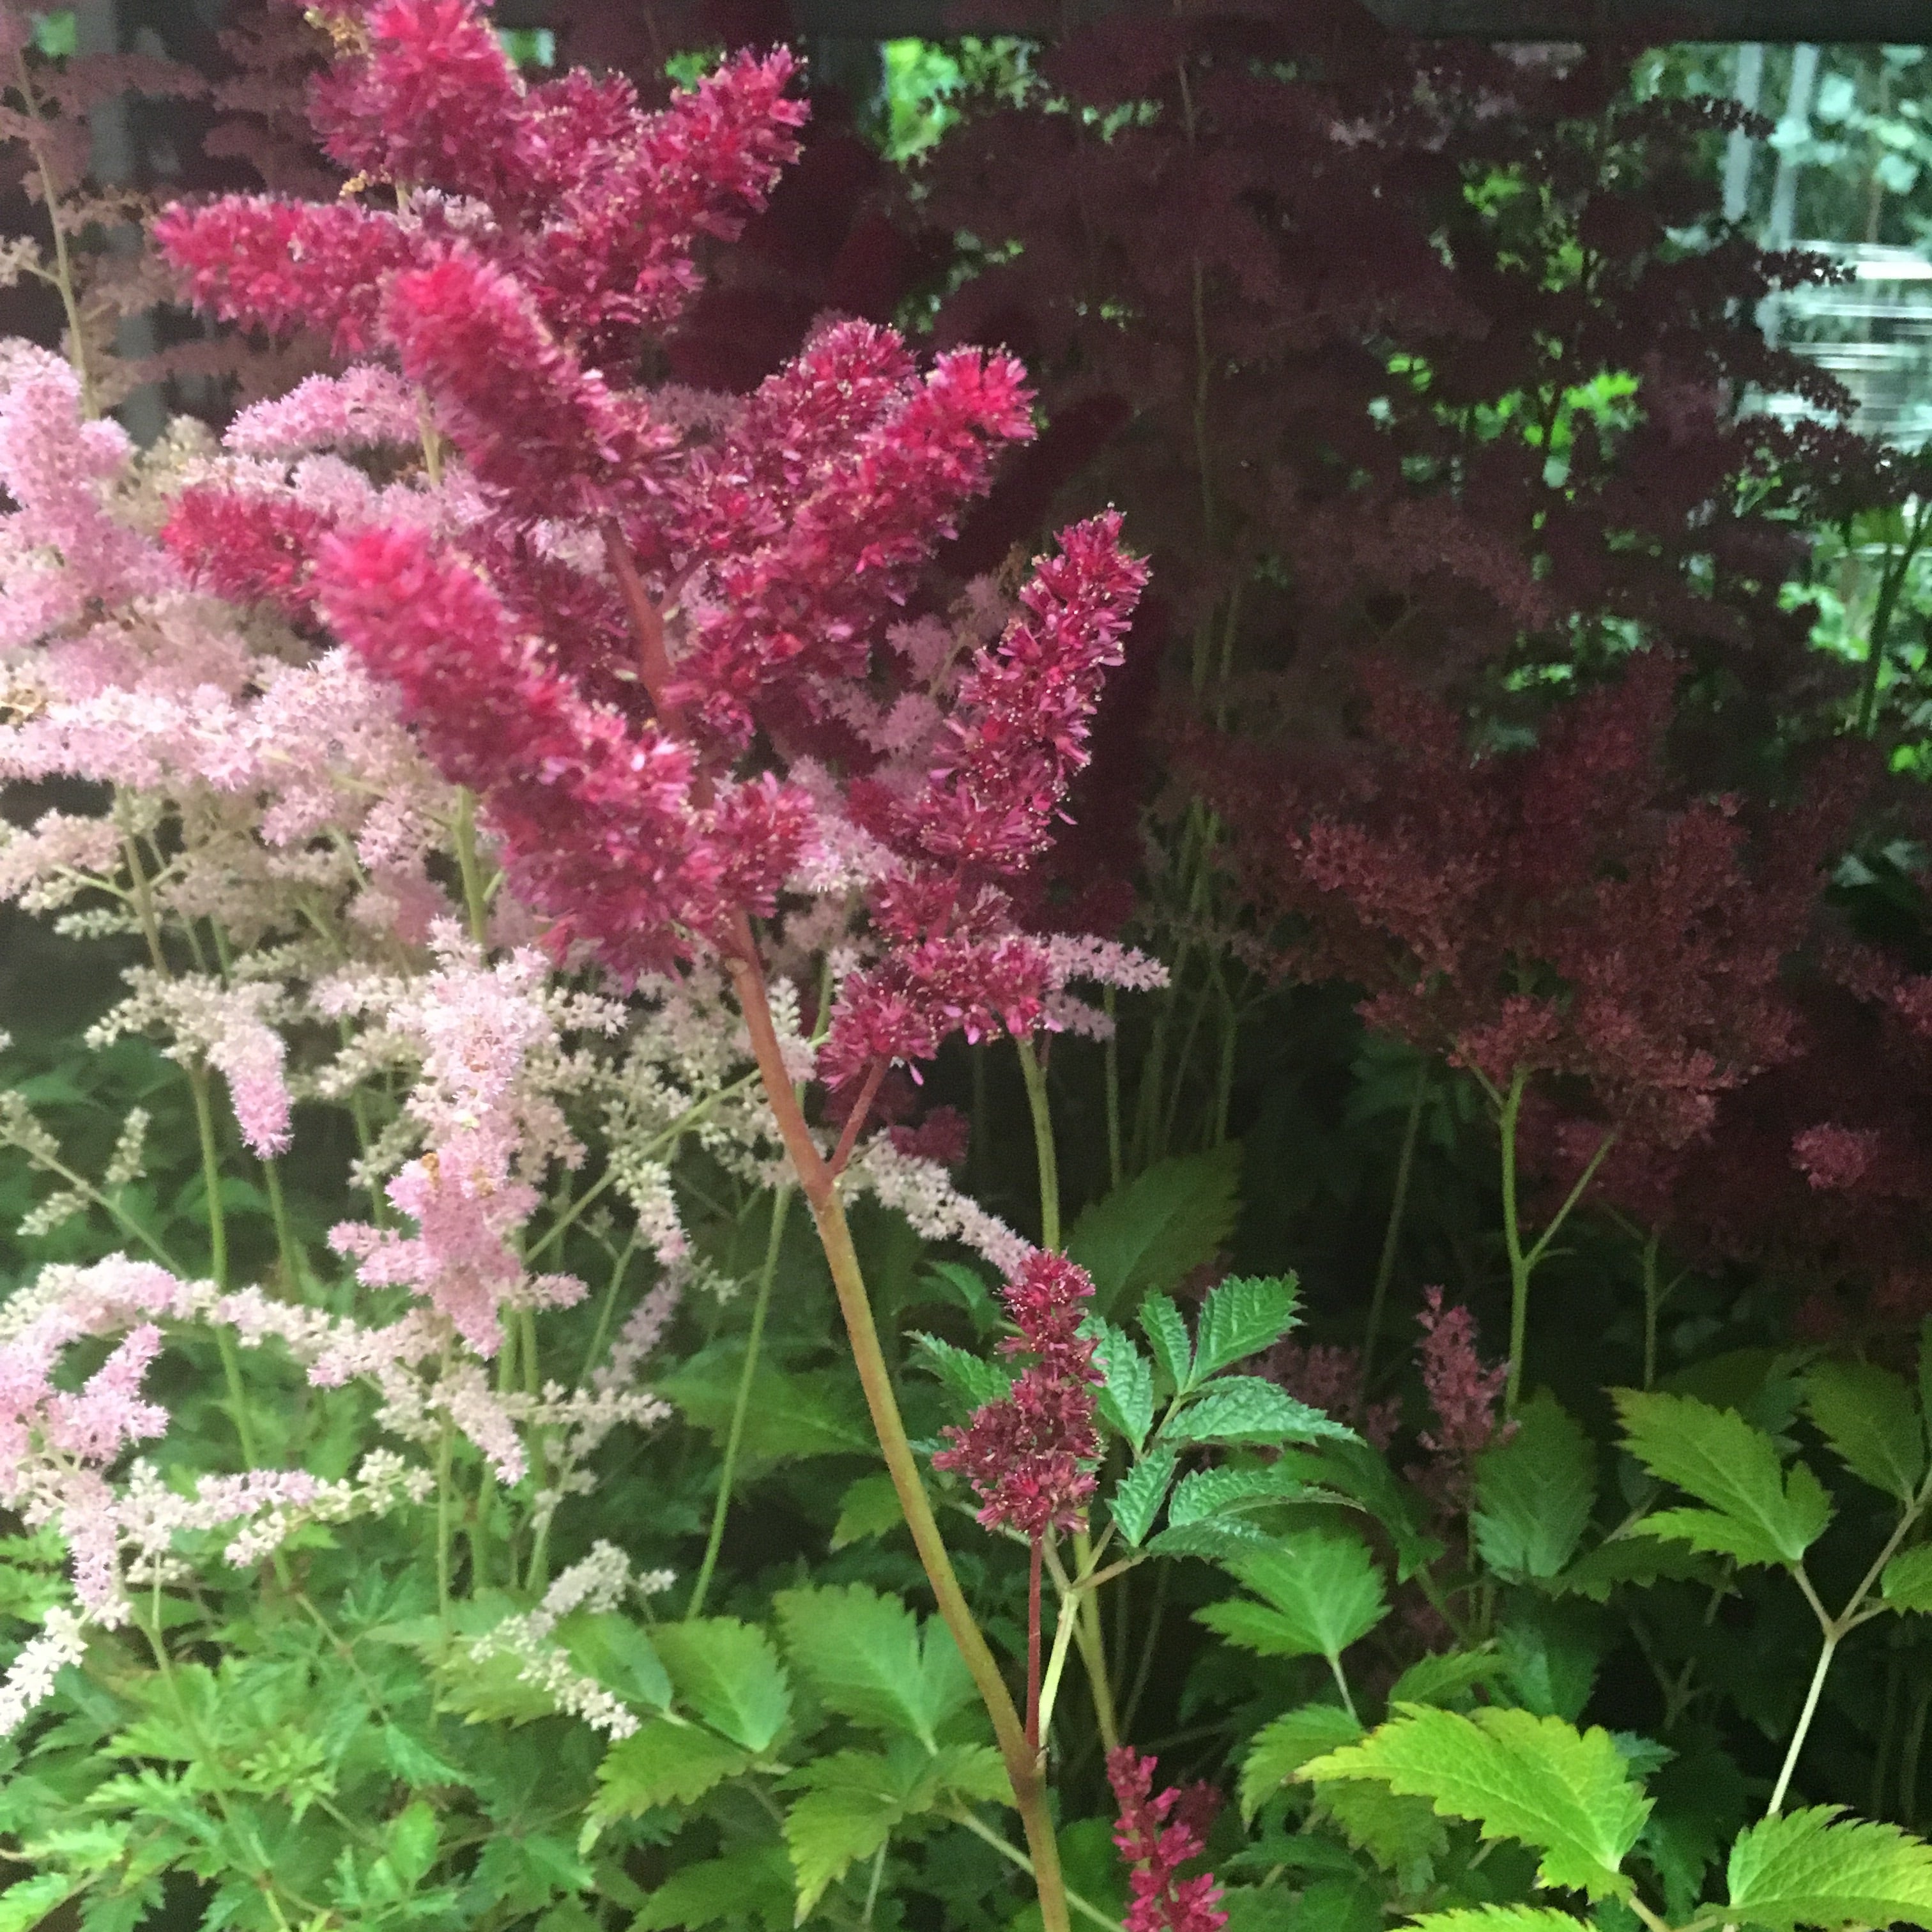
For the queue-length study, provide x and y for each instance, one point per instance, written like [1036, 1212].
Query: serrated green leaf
[1907, 1584]
[1804, 1869]
[1136, 1501]
[1635, 1559]
[1246, 1408]
[1127, 1395]
[1216, 1540]
[1496, 1919]
[412, 1760]
[1239, 1317]
[870, 1507]
[1322, 1592]
[1403, 1835]
[1146, 1237]
[1534, 1492]
[608, 1646]
[1281, 1748]
[975, 1773]
[1446, 1679]
[1213, 1492]
[1564, 1792]
[1868, 1417]
[972, 1381]
[753, 1883]
[662, 1762]
[852, 1801]
[729, 1675]
[411, 1844]
[28, 1900]
[1767, 1516]
[1167, 1335]
[792, 1415]
[866, 1657]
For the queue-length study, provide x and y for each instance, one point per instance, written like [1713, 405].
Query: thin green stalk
[63, 276]
[1519, 1265]
[445, 1512]
[1111, 1051]
[1652, 1305]
[1392, 1234]
[286, 1245]
[1048, 1160]
[605, 1314]
[1020, 1861]
[740, 1408]
[1891, 581]
[475, 898]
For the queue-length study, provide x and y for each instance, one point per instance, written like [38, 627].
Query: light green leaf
[1280, 1749]
[975, 1773]
[1239, 1317]
[1403, 1835]
[866, 1658]
[851, 1802]
[729, 1675]
[1534, 1493]
[1907, 1584]
[972, 1380]
[1766, 1516]
[28, 1900]
[1145, 1237]
[870, 1507]
[1322, 1590]
[663, 1762]
[1245, 1408]
[1497, 1918]
[413, 1843]
[1137, 1500]
[1161, 1323]
[1127, 1398]
[1868, 1417]
[1803, 1869]
[1564, 1791]
[755, 1883]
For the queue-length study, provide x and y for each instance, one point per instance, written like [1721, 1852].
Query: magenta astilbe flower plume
[435, 99]
[250, 550]
[534, 423]
[1028, 1455]
[283, 266]
[1158, 1833]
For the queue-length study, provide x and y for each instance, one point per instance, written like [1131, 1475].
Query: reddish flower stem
[855, 1121]
[653, 660]
[819, 1185]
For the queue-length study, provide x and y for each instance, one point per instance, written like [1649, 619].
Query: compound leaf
[1239, 1317]
[1564, 1791]
[1803, 1869]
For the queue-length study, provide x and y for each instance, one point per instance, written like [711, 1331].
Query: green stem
[1652, 1306]
[1111, 1053]
[1891, 581]
[444, 1522]
[1392, 1235]
[475, 898]
[63, 275]
[1018, 1859]
[286, 1245]
[608, 1310]
[767, 1274]
[1518, 1264]
[1035, 1075]
[1827, 1650]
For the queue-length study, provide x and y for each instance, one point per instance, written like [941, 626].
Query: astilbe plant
[654, 635]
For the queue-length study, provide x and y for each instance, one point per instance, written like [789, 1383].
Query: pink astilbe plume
[1158, 1833]
[1029, 1455]
[1463, 1395]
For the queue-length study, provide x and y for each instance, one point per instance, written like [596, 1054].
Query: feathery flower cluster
[603, 602]
[1158, 1833]
[1028, 1455]
[1462, 1394]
